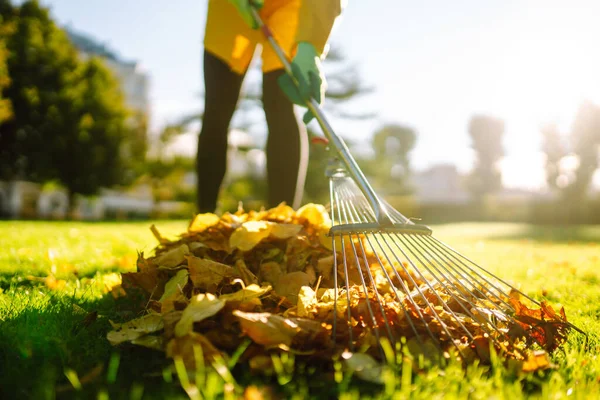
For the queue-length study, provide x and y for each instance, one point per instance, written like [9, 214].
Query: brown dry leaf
[135, 328]
[208, 274]
[247, 276]
[270, 271]
[325, 266]
[271, 330]
[143, 264]
[174, 291]
[289, 285]
[172, 258]
[267, 329]
[202, 306]
[248, 293]
[289, 251]
[201, 222]
[158, 236]
[147, 280]
[249, 234]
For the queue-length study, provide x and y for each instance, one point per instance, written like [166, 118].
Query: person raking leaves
[303, 28]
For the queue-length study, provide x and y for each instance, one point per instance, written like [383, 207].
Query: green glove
[244, 6]
[306, 67]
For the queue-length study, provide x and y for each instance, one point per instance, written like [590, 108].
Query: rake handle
[343, 151]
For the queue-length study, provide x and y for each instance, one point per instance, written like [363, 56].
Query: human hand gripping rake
[408, 283]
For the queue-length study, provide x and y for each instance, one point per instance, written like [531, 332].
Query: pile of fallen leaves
[268, 276]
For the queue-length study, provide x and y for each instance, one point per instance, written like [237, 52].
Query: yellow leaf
[202, 306]
[285, 231]
[202, 222]
[536, 361]
[173, 258]
[307, 299]
[135, 328]
[282, 212]
[248, 293]
[249, 234]
[206, 274]
[175, 284]
[316, 214]
[326, 241]
[173, 290]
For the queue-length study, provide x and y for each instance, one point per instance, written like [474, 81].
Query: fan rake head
[396, 280]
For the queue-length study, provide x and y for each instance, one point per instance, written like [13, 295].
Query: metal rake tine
[444, 245]
[461, 256]
[509, 317]
[334, 270]
[442, 302]
[368, 269]
[410, 299]
[372, 315]
[468, 277]
[365, 208]
[349, 313]
[392, 286]
[462, 289]
[435, 314]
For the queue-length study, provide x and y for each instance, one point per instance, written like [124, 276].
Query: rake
[407, 283]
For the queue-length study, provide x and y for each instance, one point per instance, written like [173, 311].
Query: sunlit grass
[52, 338]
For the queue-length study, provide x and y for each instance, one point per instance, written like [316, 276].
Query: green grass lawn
[53, 335]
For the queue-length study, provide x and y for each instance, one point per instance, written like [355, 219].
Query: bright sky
[433, 64]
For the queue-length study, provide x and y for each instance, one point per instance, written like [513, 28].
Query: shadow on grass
[44, 334]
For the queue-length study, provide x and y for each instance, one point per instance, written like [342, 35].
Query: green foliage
[69, 115]
[486, 139]
[93, 149]
[390, 164]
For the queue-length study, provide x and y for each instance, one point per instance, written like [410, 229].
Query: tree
[390, 165]
[554, 150]
[486, 139]
[91, 157]
[69, 116]
[5, 104]
[585, 140]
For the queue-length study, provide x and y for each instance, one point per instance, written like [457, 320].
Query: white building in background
[134, 80]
